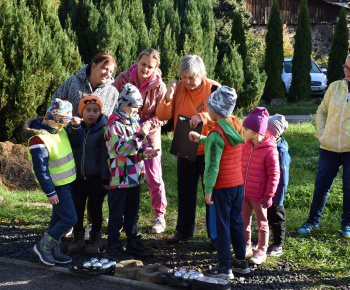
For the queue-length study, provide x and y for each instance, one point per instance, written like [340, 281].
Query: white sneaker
[158, 226]
[87, 232]
[258, 257]
[69, 234]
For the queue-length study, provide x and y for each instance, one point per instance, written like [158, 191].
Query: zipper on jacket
[246, 173]
[341, 121]
[83, 157]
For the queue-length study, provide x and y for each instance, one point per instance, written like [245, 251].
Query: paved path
[16, 274]
[299, 118]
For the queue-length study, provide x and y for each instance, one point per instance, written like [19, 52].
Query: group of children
[246, 169]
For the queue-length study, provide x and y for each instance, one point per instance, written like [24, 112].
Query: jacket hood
[34, 126]
[154, 81]
[82, 75]
[228, 125]
[282, 143]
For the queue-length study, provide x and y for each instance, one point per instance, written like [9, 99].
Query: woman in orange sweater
[188, 97]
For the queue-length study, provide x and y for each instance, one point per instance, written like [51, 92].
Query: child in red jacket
[261, 173]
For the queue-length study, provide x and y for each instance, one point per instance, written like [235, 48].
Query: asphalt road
[15, 274]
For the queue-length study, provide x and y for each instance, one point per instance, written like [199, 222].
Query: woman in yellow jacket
[333, 132]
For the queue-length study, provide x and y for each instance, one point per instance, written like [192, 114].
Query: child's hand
[194, 136]
[195, 120]
[208, 199]
[266, 201]
[76, 121]
[152, 153]
[53, 199]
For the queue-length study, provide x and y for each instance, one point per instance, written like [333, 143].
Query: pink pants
[155, 182]
[261, 219]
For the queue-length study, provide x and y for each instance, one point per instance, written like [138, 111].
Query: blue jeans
[328, 167]
[124, 205]
[229, 224]
[63, 216]
[188, 174]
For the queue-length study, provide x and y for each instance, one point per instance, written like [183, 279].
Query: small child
[51, 157]
[260, 167]
[93, 174]
[127, 148]
[223, 181]
[277, 124]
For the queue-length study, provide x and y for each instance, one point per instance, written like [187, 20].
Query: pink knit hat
[257, 120]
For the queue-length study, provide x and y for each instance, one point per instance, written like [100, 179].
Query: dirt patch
[15, 169]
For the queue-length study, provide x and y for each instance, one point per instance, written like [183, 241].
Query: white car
[318, 78]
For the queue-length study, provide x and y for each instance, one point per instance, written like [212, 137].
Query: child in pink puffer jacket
[261, 173]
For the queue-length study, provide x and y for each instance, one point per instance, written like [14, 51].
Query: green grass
[300, 108]
[324, 250]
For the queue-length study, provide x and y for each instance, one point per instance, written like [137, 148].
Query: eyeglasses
[346, 68]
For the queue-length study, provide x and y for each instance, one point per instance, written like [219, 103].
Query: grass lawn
[324, 250]
[300, 108]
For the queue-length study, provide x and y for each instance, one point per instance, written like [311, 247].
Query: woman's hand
[194, 136]
[195, 120]
[53, 199]
[144, 132]
[76, 121]
[171, 90]
[208, 199]
[152, 153]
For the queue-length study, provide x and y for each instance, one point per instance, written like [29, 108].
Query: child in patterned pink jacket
[127, 148]
[261, 173]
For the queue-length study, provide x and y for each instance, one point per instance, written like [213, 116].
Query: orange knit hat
[89, 99]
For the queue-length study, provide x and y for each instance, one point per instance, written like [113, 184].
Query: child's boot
[135, 247]
[95, 243]
[78, 242]
[44, 250]
[57, 254]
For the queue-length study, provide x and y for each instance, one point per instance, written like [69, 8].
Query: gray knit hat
[222, 101]
[129, 96]
[277, 124]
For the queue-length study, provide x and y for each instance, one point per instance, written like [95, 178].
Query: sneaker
[220, 272]
[87, 232]
[158, 226]
[258, 257]
[346, 232]
[240, 266]
[116, 253]
[273, 250]
[248, 253]
[307, 227]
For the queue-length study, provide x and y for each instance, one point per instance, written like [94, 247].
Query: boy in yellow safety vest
[50, 144]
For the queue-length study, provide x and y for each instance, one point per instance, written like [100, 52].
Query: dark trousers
[229, 224]
[63, 216]
[88, 188]
[328, 167]
[188, 174]
[124, 206]
[277, 222]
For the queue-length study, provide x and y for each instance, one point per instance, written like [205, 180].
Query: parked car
[318, 77]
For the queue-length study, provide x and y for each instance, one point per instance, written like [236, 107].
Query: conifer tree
[238, 37]
[274, 56]
[339, 49]
[301, 64]
[33, 65]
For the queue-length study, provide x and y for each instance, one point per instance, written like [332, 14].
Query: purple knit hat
[257, 120]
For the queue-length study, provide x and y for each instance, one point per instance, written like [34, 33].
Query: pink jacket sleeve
[273, 172]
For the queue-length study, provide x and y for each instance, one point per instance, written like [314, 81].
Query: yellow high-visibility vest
[61, 161]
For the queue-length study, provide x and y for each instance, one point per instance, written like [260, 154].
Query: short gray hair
[192, 64]
[347, 57]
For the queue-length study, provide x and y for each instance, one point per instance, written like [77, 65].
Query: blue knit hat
[222, 101]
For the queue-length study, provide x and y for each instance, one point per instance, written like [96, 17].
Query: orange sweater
[188, 104]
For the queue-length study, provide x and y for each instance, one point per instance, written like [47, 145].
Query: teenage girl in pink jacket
[261, 173]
